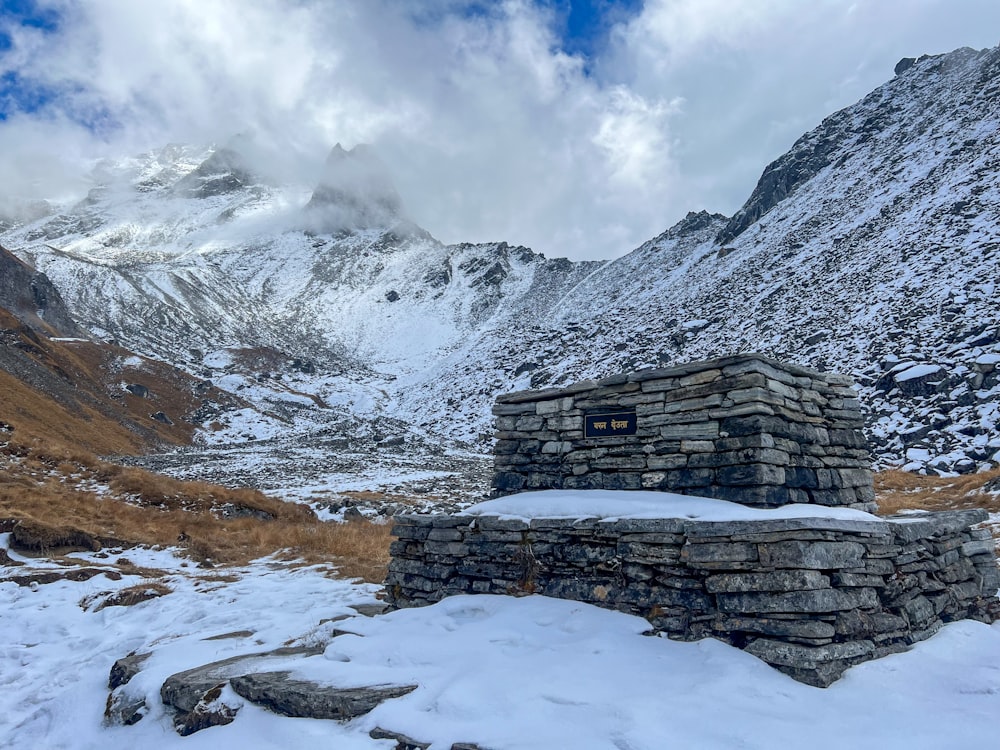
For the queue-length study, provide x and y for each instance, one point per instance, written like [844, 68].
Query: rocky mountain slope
[869, 248]
[58, 384]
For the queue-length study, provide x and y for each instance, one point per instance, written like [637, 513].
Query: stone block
[622, 481]
[564, 424]
[782, 580]
[695, 431]
[654, 480]
[812, 555]
[619, 462]
[512, 410]
[446, 549]
[752, 474]
[680, 479]
[747, 409]
[785, 390]
[584, 481]
[801, 477]
[853, 477]
[646, 551]
[700, 378]
[494, 523]
[529, 423]
[554, 406]
[979, 547]
[409, 531]
[798, 602]
[759, 440]
[755, 395]
[635, 399]
[692, 404]
[446, 535]
[962, 570]
[759, 497]
[697, 446]
[819, 666]
[761, 367]
[849, 580]
[506, 481]
[802, 628]
[541, 481]
[675, 461]
[746, 456]
[557, 446]
[919, 611]
[719, 552]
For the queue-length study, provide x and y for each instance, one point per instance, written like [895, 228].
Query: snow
[505, 672]
[614, 504]
[917, 371]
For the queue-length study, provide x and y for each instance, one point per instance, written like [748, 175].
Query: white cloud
[491, 131]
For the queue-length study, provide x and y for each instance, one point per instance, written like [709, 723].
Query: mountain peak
[224, 171]
[355, 192]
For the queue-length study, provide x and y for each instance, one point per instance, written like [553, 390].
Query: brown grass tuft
[900, 490]
[129, 596]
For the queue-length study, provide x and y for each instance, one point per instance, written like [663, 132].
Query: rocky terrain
[60, 384]
[869, 248]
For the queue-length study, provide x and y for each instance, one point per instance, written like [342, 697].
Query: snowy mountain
[870, 248]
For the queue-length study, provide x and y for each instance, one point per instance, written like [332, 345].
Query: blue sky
[584, 25]
[15, 93]
[580, 129]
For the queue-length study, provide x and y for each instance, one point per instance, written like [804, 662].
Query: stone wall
[809, 596]
[747, 429]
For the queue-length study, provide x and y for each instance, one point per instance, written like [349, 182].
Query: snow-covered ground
[503, 672]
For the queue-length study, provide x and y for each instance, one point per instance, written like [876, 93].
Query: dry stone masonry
[810, 596]
[747, 429]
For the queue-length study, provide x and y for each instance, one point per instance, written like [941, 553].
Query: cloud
[490, 129]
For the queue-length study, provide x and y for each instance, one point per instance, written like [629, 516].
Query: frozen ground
[502, 672]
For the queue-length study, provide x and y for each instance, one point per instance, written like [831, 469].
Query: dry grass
[43, 484]
[35, 416]
[901, 490]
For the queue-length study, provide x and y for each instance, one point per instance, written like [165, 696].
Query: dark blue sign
[610, 424]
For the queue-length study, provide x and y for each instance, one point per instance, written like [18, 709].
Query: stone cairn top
[745, 428]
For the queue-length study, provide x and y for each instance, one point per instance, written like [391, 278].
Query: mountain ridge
[868, 248]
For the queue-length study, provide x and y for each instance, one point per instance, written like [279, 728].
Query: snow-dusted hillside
[870, 248]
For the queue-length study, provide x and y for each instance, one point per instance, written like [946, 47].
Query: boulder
[199, 696]
[278, 692]
[123, 670]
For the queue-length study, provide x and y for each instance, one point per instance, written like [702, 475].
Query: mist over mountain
[870, 248]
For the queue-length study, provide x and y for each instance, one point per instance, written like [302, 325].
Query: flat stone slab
[196, 695]
[279, 692]
[183, 691]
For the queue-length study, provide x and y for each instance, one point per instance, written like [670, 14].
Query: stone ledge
[819, 593]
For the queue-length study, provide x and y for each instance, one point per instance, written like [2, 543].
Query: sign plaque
[609, 424]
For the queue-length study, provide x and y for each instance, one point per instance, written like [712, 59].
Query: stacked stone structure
[809, 596]
[747, 429]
